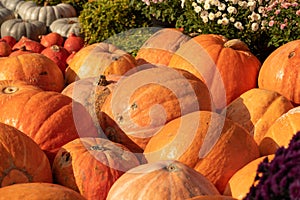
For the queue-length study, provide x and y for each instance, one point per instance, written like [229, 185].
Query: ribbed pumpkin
[92, 92]
[226, 66]
[28, 10]
[161, 180]
[90, 166]
[281, 132]
[240, 183]
[99, 58]
[19, 27]
[144, 101]
[210, 143]
[280, 71]
[5, 14]
[35, 69]
[256, 110]
[50, 118]
[22, 160]
[160, 47]
[65, 26]
[38, 191]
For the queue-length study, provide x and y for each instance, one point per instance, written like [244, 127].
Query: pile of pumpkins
[25, 18]
[186, 118]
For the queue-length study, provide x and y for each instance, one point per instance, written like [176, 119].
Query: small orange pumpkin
[33, 68]
[50, 118]
[226, 66]
[280, 71]
[92, 160]
[161, 180]
[22, 160]
[99, 58]
[206, 141]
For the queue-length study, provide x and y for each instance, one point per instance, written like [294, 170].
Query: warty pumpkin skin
[160, 47]
[33, 68]
[206, 141]
[240, 183]
[99, 58]
[22, 160]
[226, 66]
[280, 71]
[50, 118]
[256, 110]
[38, 191]
[161, 180]
[92, 165]
[281, 132]
[143, 102]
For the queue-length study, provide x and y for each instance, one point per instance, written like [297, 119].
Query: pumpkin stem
[55, 48]
[10, 90]
[102, 81]
[236, 44]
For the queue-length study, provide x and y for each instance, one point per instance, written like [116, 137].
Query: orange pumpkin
[160, 47]
[161, 180]
[143, 102]
[212, 197]
[5, 48]
[22, 160]
[35, 69]
[210, 143]
[38, 191]
[281, 132]
[256, 110]
[99, 58]
[92, 92]
[50, 118]
[92, 160]
[280, 71]
[226, 66]
[240, 183]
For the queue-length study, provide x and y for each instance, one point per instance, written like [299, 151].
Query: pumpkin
[65, 26]
[99, 58]
[92, 92]
[226, 66]
[19, 27]
[281, 131]
[57, 54]
[206, 141]
[50, 118]
[28, 10]
[51, 39]
[5, 14]
[256, 110]
[22, 160]
[161, 180]
[10, 4]
[39, 191]
[5, 49]
[240, 183]
[33, 68]
[28, 44]
[9, 39]
[19, 52]
[280, 71]
[159, 48]
[143, 102]
[74, 43]
[92, 160]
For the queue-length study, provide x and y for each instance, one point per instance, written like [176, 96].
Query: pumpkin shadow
[114, 133]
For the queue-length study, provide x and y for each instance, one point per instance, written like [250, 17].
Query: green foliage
[104, 18]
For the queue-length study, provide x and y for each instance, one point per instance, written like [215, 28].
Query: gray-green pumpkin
[66, 26]
[5, 14]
